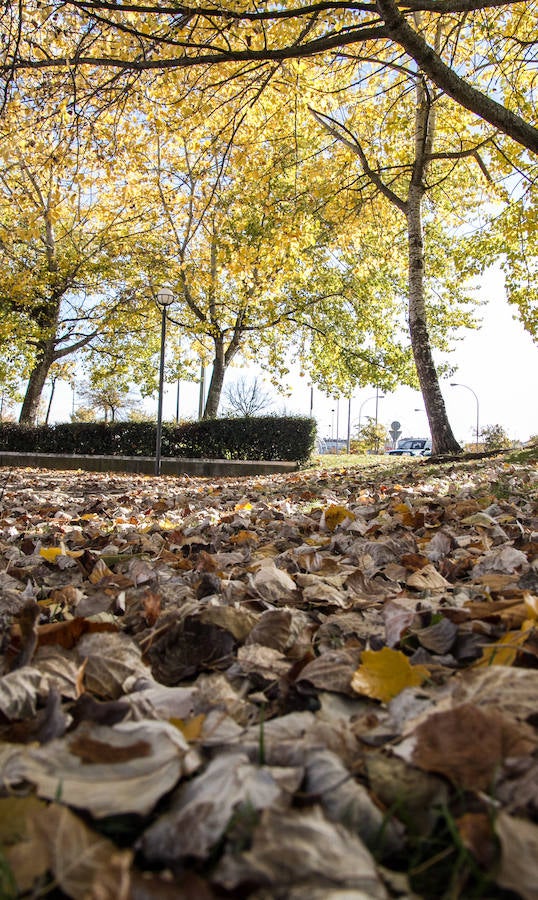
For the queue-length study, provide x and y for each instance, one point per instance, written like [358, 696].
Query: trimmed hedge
[260, 437]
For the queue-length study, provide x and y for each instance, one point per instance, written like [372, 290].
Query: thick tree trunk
[36, 383]
[215, 387]
[221, 362]
[443, 440]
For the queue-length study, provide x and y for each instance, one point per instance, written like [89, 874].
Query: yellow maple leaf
[335, 515]
[385, 673]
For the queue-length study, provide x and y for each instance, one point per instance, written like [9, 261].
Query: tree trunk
[443, 440]
[215, 386]
[36, 383]
[220, 365]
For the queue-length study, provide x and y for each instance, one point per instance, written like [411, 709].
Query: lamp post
[457, 384]
[377, 397]
[164, 299]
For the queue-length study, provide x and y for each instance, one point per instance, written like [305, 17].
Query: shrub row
[261, 437]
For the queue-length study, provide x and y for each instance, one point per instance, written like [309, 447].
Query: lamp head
[165, 296]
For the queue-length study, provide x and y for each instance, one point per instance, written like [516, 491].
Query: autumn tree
[416, 151]
[65, 221]
[106, 47]
[241, 242]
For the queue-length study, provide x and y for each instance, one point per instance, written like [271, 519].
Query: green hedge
[261, 437]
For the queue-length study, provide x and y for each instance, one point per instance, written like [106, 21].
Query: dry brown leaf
[511, 691]
[519, 855]
[237, 620]
[447, 743]
[100, 571]
[202, 809]
[331, 671]
[83, 863]
[300, 847]
[476, 833]
[273, 584]
[428, 579]
[108, 788]
[346, 801]
[110, 660]
[19, 692]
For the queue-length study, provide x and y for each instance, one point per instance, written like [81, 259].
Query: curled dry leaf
[20, 691]
[187, 646]
[83, 863]
[273, 584]
[332, 670]
[110, 660]
[302, 847]
[344, 800]
[107, 771]
[428, 579]
[518, 870]
[202, 809]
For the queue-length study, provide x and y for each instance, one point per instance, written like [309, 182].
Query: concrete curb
[145, 465]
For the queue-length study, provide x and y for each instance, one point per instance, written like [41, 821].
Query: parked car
[412, 447]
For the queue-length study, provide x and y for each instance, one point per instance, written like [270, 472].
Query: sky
[498, 363]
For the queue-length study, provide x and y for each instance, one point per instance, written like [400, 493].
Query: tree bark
[36, 383]
[447, 79]
[221, 361]
[215, 388]
[443, 440]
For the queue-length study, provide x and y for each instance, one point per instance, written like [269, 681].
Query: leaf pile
[318, 685]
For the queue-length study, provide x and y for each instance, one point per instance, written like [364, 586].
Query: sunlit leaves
[383, 674]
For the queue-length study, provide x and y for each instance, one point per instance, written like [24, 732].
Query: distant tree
[246, 397]
[111, 399]
[370, 437]
[495, 438]
[84, 414]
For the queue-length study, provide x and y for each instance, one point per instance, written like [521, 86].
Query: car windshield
[411, 445]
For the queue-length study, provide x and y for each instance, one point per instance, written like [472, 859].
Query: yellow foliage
[383, 674]
[191, 729]
[51, 554]
[335, 515]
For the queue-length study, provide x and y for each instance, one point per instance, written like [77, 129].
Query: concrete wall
[210, 468]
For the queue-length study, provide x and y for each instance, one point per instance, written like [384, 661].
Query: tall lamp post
[457, 384]
[377, 397]
[165, 298]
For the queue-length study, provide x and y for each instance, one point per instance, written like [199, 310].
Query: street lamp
[377, 397]
[457, 384]
[165, 298]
